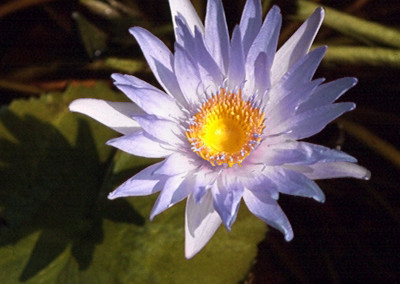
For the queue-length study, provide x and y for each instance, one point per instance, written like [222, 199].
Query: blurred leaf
[59, 227]
[100, 8]
[125, 65]
[370, 56]
[94, 39]
[354, 27]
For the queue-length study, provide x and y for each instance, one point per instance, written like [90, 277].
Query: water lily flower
[229, 120]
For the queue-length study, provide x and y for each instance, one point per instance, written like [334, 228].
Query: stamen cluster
[225, 129]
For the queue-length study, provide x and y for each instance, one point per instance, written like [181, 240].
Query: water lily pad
[57, 226]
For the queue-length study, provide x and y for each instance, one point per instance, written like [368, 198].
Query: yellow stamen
[226, 129]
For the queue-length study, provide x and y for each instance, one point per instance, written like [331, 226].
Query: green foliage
[57, 225]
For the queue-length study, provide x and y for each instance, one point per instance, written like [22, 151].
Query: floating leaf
[59, 227]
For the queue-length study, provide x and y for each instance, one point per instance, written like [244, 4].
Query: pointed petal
[186, 9]
[302, 71]
[115, 115]
[140, 144]
[327, 93]
[188, 75]
[285, 104]
[201, 222]
[174, 190]
[143, 183]
[294, 183]
[175, 164]
[236, 71]
[297, 153]
[297, 45]
[216, 33]
[164, 130]
[268, 210]
[311, 122]
[152, 101]
[266, 42]
[337, 170]
[261, 75]
[227, 199]
[160, 60]
[250, 23]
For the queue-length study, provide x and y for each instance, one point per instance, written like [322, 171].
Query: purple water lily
[228, 120]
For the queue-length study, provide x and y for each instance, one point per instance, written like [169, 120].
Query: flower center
[225, 129]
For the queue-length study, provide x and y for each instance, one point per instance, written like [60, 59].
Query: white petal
[140, 144]
[296, 46]
[201, 222]
[115, 115]
[268, 210]
[186, 9]
[143, 183]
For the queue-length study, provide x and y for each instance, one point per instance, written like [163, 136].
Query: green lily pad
[57, 225]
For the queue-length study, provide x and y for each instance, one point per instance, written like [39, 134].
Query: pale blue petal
[337, 170]
[262, 80]
[250, 23]
[227, 198]
[294, 183]
[327, 93]
[216, 34]
[286, 105]
[203, 181]
[261, 184]
[162, 129]
[297, 153]
[188, 75]
[208, 69]
[268, 210]
[160, 60]
[172, 192]
[296, 46]
[187, 11]
[175, 164]
[236, 71]
[266, 42]
[123, 79]
[143, 183]
[299, 74]
[115, 115]
[201, 222]
[311, 122]
[140, 144]
[152, 101]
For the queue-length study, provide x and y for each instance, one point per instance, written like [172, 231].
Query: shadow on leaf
[58, 189]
